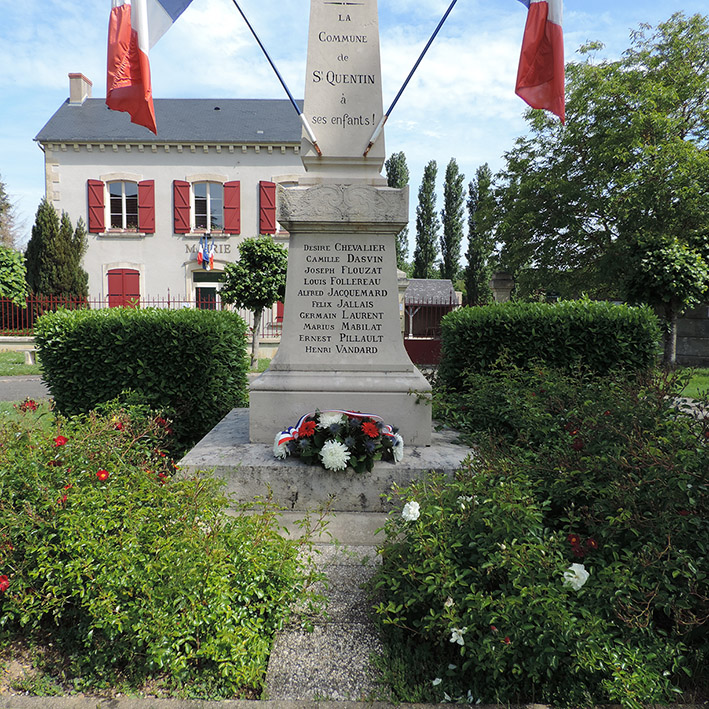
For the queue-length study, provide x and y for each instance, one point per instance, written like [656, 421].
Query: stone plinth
[250, 470]
[341, 346]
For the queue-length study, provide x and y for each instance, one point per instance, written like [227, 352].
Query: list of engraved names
[341, 300]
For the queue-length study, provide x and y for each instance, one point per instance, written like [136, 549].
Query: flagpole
[379, 127]
[300, 113]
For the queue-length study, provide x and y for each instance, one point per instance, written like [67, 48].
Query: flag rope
[385, 117]
[300, 113]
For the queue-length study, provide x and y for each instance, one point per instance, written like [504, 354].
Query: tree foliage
[426, 225]
[256, 281]
[398, 176]
[452, 218]
[617, 199]
[481, 231]
[8, 219]
[13, 274]
[54, 254]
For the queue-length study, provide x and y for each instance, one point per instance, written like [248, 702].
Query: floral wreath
[337, 438]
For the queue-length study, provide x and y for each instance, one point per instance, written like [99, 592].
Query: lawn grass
[698, 384]
[42, 416]
[12, 363]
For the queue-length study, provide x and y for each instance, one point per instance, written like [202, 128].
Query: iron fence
[19, 321]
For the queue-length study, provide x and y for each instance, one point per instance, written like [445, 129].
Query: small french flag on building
[540, 77]
[134, 28]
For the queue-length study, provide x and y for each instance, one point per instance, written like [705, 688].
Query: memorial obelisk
[341, 345]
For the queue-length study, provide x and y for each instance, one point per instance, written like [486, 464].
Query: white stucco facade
[165, 260]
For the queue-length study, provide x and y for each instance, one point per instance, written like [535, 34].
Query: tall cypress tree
[426, 225]
[452, 218]
[481, 205]
[54, 255]
[398, 176]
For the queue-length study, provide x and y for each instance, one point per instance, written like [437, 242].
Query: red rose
[507, 640]
[493, 628]
[591, 543]
[102, 475]
[306, 429]
[4, 583]
[119, 426]
[578, 551]
[60, 441]
[573, 539]
[370, 429]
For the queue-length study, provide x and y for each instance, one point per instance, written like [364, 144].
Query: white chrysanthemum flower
[576, 576]
[327, 418]
[411, 511]
[398, 448]
[280, 451]
[334, 455]
[457, 635]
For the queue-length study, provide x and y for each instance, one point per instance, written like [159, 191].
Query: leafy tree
[54, 255]
[13, 275]
[426, 225]
[8, 219]
[256, 281]
[481, 230]
[452, 218]
[398, 176]
[617, 199]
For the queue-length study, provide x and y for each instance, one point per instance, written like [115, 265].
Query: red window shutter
[146, 206]
[97, 214]
[279, 311]
[181, 200]
[123, 288]
[232, 207]
[267, 207]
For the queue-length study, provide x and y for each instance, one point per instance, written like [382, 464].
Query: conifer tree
[54, 255]
[478, 270]
[452, 218]
[398, 176]
[426, 225]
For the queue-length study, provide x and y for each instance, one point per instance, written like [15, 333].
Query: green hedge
[597, 335]
[190, 363]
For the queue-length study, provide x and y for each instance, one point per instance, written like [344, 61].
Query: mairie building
[151, 203]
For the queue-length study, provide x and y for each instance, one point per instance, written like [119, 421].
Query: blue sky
[461, 102]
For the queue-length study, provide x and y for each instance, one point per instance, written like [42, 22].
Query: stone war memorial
[341, 345]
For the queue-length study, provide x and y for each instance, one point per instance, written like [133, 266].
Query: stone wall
[693, 337]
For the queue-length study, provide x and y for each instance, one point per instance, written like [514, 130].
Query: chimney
[79, 89]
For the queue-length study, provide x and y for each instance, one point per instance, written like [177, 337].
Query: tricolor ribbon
[291, 433]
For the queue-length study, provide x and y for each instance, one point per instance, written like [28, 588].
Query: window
[208, 205]
[123, 205]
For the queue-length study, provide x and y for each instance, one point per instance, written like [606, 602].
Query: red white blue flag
[134, 28]
[540, 77]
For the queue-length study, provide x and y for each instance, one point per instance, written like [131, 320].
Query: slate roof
[197, 120]
[430, 290]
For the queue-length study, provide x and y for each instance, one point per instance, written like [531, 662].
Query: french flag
[133, 29]
[540, 77]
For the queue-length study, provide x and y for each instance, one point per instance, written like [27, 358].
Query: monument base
[279, 398]
[250, 470]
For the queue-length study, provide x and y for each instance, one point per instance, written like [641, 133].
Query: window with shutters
[208, 205]
[123, 205]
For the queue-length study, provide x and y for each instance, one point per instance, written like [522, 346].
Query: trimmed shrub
[190, 364]
[598, 335]
[129, 575]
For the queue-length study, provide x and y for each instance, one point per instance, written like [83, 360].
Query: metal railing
[19, 321]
